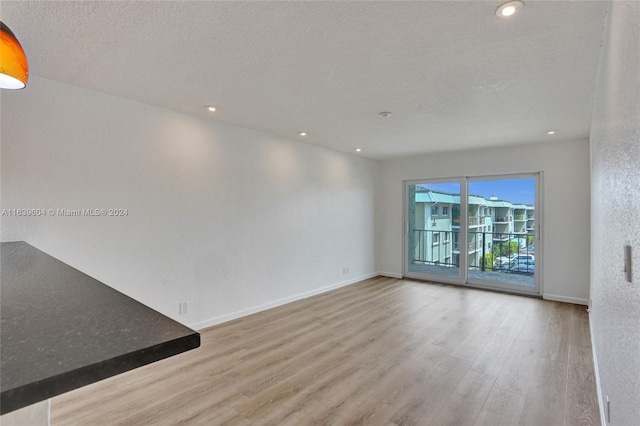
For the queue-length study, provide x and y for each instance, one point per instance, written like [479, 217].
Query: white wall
[565, 238]
[224, 218]
[615, 221]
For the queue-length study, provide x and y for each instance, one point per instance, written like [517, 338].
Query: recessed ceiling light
[509, 9]
[212, 108]
[385, 114]
[551, 132]
[302, 133]
[358, 149]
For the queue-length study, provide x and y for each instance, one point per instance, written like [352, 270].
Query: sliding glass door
[477, 231]
[433, 230]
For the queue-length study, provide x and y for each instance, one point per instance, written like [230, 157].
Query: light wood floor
[382, 352]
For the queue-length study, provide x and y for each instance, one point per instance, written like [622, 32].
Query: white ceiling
[454, 75]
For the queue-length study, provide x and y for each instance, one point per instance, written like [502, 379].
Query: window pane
[432, 230]
[501, 230]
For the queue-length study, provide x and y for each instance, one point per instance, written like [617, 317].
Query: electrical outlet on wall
[182, 308]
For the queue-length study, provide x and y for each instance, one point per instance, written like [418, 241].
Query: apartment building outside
[490, 223]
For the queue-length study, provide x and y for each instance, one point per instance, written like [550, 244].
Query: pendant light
[14, 69]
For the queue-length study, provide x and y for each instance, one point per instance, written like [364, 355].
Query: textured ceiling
[454, 75]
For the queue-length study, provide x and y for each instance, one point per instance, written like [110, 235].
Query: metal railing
[486, 251]
[433, 247]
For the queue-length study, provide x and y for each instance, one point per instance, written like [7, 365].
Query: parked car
[523, 257]
[523, 266]
[501, 263]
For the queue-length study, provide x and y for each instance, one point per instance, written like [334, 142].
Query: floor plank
[581, 403]
[502, 408]
[546, 394]
[471, 393]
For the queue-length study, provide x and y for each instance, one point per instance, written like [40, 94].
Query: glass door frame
[516, 288]
[463, 278]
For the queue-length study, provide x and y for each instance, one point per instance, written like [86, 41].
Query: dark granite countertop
[61, 329]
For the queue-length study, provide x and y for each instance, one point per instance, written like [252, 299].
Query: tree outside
[505, 249]
[488, 261]
[530, 240]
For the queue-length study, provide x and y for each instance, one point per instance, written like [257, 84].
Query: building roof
[429, 196]
[474, 199]
[499, 203]
[437, 197]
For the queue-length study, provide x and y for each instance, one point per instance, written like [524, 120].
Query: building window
[445, 211]
[436, 238]
[434, 211]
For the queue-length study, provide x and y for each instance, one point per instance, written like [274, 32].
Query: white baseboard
[244, 312]
[596, 370]
[565, 299]
[390, 274]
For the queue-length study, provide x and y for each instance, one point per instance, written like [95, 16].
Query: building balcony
[503, 219]
[476, 221]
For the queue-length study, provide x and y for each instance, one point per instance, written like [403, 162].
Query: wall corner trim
[252, 310]
[390, 275]
[565, 299]
[597, 374]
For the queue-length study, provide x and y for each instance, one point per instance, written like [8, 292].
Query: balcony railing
[486, 251]
[434, 247]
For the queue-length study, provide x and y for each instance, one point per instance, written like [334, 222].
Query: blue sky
[519, 191]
